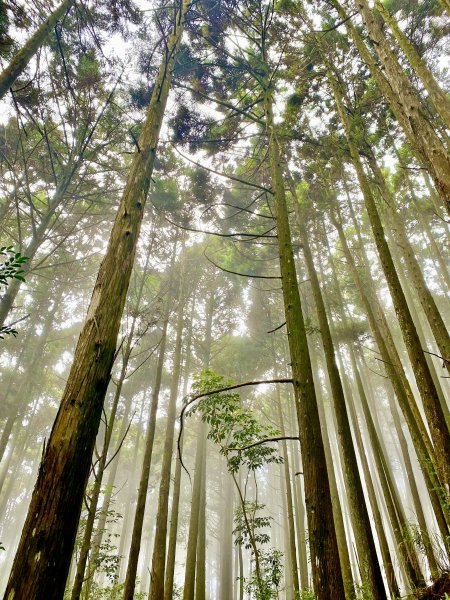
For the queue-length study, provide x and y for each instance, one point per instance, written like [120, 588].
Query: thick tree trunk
[20, 61]
[43, 557]
[98, 477]
[368, 559]
[402, 99]
[435, 93]
[327, 574]
[338, 516]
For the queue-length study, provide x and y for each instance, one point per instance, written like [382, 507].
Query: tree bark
[368, 559]
[160, 541]
[327, 574]
[426, 299]
[430, 399]
[43, 557]
[402, 99]
[435, 93]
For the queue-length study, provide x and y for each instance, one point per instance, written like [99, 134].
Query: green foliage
[110, 592]
[232, 426]
[107, 560]
[247, 514]
[272, 568]
[305, 595]
[11, 268]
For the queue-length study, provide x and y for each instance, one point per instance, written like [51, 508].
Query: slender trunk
[430, 399]
[135, 546]
[19, 62]
[191, 550]
[327, 574]
[388, 564]
[300, 520]
[425, 537]
[393, 366]
[173, 531]
[426, 299]
[226, 546]
[160, 542]
[39, 237]
[290, 533]
[368, 559]
[392, 502]
[200, 576]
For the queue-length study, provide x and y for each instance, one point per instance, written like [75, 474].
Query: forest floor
[439, 589]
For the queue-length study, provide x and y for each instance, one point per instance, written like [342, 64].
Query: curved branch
[240, 274]
[192, 399]
[265, 441]
[255, 185]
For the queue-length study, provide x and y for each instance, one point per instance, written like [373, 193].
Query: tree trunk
[135, 546]
[226, 543]
[392, 503]
[191, 550]
[159, 548]
[18, 64]
[435, 93]
[368, 559]
[327, 574]
[173, 531]
[402, 99]
[426, 299]
[425, 537]
[392, 364]
[430, 399]
[43, 557]
[200, 576]
[290, 534]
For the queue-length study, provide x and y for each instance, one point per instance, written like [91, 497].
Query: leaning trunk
[43, 557]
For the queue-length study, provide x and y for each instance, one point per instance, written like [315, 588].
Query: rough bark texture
[402, 99]
[43, 557]
[435, 93]
[430, 399]
[327, 575]
[368, 559]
